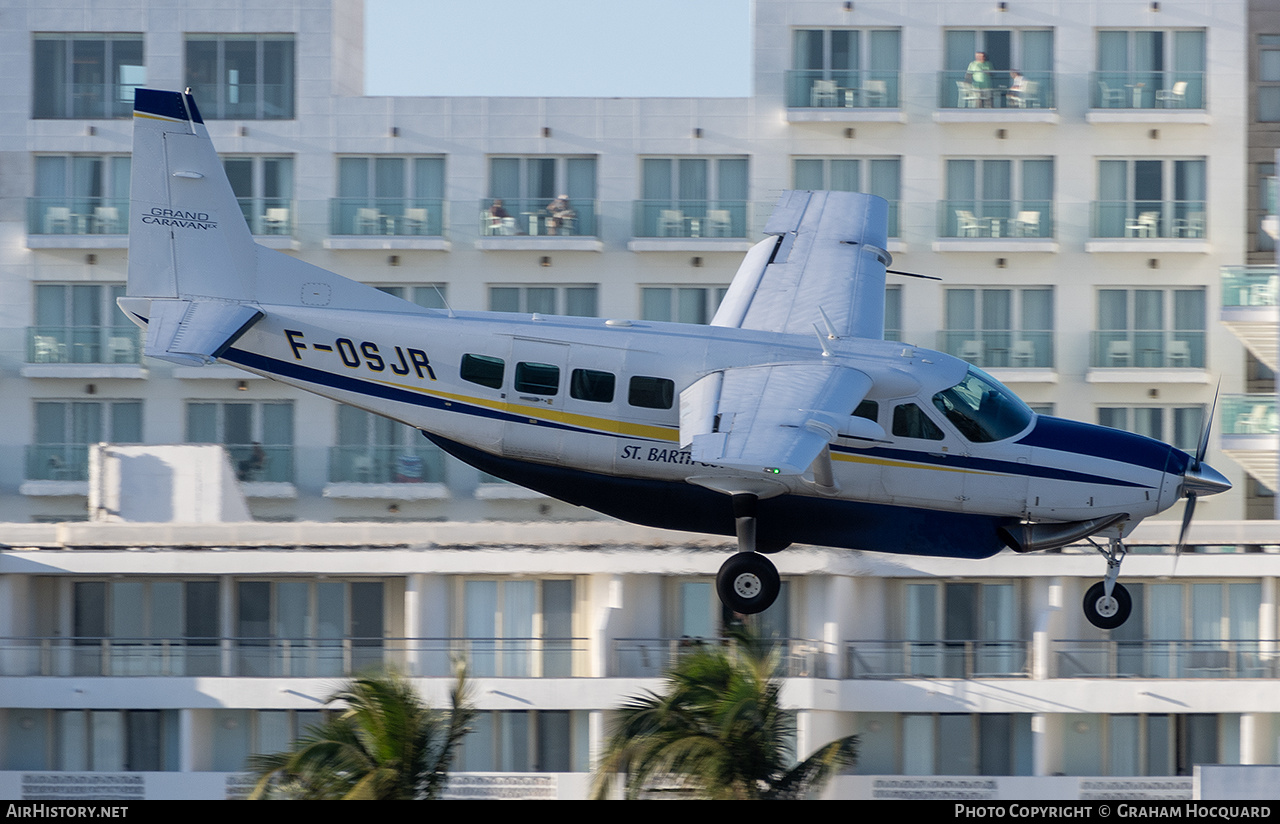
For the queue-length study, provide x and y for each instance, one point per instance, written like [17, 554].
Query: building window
[1150, 328]
[692, 197]
[428, 296]
[1000, 327]
[542, 741]
[308, 628]
[1269, 78]
[389, 196]
[1179, 425]
[241, 76]
[102, 741]
[146, 628]
[540, 196]
[258, 435]
[844, 68]
[263, 187]
[998, 198]
[85, 75]
[80, 195]
[376, 450]
[1134, 199]
[879, 176]
[963, 630]
[66, 429]
[80, 323]
[1265, 206]
[519, 628]
[237, 734]
[578, 301]
[1028, 52]
[682, 304]
[1125, 744]
[893, 313]
[1150, 69]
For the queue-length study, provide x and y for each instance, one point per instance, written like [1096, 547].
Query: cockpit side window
[867, 409]
[910, 421]
[982, 409]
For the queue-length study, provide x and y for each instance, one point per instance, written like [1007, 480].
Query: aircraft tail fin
[187, 235]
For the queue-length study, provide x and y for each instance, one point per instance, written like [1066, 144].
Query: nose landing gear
[1107, 604]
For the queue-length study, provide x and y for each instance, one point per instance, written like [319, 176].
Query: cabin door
[539, 382]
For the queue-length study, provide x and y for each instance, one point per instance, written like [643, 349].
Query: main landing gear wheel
[748, 583]
[1107, 611]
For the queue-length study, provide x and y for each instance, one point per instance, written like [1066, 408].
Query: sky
[558, 48]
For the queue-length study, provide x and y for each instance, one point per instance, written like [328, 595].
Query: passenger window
[483, 370]
[537, 378]
[591, 385]
[910, 421]
[652, 393]
[869, 410]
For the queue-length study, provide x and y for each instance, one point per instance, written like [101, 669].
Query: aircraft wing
[825, 254]
[769, 418]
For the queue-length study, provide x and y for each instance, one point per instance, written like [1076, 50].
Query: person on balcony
[979, 76]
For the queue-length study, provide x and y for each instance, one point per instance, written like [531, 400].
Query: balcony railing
[89, 101]
[395, 216]
[84, 344]
[841, 89]
[1249, 414]
[956, 90]
[57, 462]
[268, 215]
[1147, 219]
[1250, 285]
[1148, 349]
[536, 217]
[77, 216]
[691, 218]
[995, 218]
[938, 659]
[1166, 659]
[1147, 90]
[259, 462]
[254, 657]
[385, 464]
[999, 348]
[651, 657]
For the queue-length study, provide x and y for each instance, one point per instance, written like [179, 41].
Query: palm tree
[385, 744]
[720, 729]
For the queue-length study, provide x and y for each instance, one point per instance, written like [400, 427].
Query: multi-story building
[1079, 202]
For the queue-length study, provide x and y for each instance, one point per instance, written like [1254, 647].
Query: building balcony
[1000, 99]
[1250, 311]
[937, 659]
[652, 657]
[84, 352]
[243, 101]
[1122, 356]
[397, 472]
[269, 218]
[995, 225]
[530, 224]
[57, 462]
[842, 95]
[1000, 348]
[1251, 434]
[1148, 226]
[77, 223]
[386, 223]
[86, 101]
[1166, 659]
[1146, 96]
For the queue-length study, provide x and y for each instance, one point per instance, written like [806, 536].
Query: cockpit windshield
[982, 409]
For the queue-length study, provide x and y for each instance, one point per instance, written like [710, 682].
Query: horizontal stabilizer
[774, 419]
[195, 332]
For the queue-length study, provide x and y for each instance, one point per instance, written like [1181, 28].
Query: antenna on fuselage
[443, 299]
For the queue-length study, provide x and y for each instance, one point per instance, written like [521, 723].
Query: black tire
[748, 583]
[1106, 613]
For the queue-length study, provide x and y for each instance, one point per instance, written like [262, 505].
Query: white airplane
[788, 420]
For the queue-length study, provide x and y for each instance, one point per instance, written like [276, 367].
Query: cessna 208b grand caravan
[788, 420]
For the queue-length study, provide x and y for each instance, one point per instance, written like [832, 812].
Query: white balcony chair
[276, 221]
[1027, 224]
[1111, 97]
[1255, 422]
[1120, 353]
[106, 220]
[415, 221]
[1028, 97]
[823, 93]
[1190, 226]
[121, 349]
[362, 469]
[717, 223]
[971, 350]
[57, 220]
[48, 349]
[368, 221]
[1144, 225]
[1175, 97]
[1179, 353]
[1024, 353]
[968, 96]
[670, 223]
[875, 93]
[967, 225]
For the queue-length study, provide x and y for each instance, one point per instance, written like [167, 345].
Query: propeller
[1199, 479]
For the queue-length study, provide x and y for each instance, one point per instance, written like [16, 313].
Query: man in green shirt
[979, 76]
